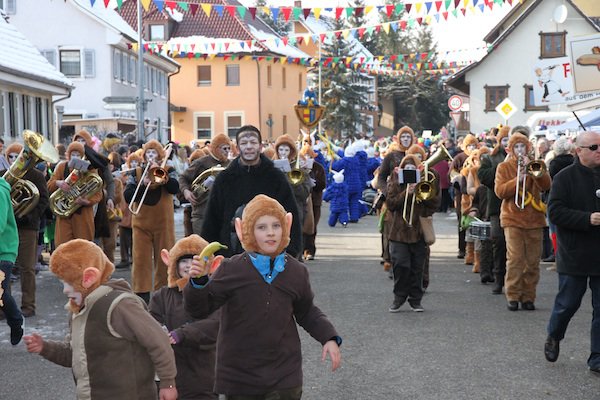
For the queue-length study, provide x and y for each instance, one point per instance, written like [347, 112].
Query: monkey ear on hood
[90, 276]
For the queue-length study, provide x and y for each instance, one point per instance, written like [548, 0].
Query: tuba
[24, 195]
[199, 184]
[83, 184]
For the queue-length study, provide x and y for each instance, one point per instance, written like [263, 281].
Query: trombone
[536, 169]
[157, 175]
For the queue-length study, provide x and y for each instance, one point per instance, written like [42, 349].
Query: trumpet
[157, 176]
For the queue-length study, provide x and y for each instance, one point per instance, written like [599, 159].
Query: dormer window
[157, 32]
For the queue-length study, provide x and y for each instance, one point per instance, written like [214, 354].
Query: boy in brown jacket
[263, 293]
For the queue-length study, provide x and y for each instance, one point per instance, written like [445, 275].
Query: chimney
[298, 3]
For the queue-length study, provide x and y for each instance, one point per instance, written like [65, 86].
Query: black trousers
[498, 247]
[408, 260]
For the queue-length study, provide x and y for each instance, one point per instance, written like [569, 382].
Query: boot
[470, 256]
[477, 262]
[498, 284]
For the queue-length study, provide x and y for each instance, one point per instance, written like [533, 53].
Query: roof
[107, 17]
[20, 57]
[498, 36]
[200, 28]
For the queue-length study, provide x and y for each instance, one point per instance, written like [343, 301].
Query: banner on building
[585, 59]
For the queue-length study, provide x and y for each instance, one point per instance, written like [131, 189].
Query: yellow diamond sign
[506, 108]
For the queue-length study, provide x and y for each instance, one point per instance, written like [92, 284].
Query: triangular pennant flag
[438, 5]
[463, 11]
[194, 8]
[428, 6]
[419, 20]
[317, 13]
[448, 2]
[399, 8]
[293, 41]
[206, 7]
[455, 13]
[358, 11]
[284, 60]
[159, 5]
[338, 34]
[346, 33]
[183, 5]
[368, 9]
[145, 4]
[418, 7]
[361, 32]
[456, 3]
[307, 38]
[338, 12]
[266, 10]
[296, 13]
[394, 26]
[285, 41]
[242, 11]
[252, 12]
[408, 7]
[92, 2]
[465, 3]
[227, 46]
[370, 30]
[275, 13]
[231, 10]
[389, 9]
[106, 3]
[242, 45]
[475, 2]
[481, 7]
[219, 9]
[119, 4]
[403, 25]
[286, 11]
[445, 15]
[170, 5]
[249, 43]
[305, 12]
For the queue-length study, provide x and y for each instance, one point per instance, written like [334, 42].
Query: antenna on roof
[560, 14]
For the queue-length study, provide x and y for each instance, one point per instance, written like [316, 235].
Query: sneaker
[417, 307]
[16, 334]
[551, 349]
[395, 307]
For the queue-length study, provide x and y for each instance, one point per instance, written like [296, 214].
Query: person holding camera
[406, 242]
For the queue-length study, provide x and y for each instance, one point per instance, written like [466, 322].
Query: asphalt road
[466, 345]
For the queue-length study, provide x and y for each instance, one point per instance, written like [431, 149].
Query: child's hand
[332, 348]
[199, 267]
[168, 394]
[34, 343]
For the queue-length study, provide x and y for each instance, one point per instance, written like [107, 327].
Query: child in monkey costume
[194, 341]
[263, 292]
[114, 346]
[80, 225]
[153, 227]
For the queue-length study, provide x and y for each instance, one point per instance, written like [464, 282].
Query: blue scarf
[266, 267]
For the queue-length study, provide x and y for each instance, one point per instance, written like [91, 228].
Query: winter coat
[572, 200]
[195, 350]
[487, 177]
[390, 161]
[236, 186]
[559, 162]
[337, 194]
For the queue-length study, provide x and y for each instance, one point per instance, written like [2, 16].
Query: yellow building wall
[254, 98]
[591, 8]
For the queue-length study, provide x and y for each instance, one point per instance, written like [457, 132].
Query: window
[70, 63]
[116, 65]
[233, 122]
[10, 6]
[89, 63]
[49, 54]
[153, 79]
[2, 114]
[283, 79]
[529, 100]
[284, 124]
[131, 69]
[552, 44]
[300, 82]
[26, 111]
[269, 79]
[124, 69]
[233, 75]
[204, 77]
[203, 124]
[494, 96]
[13, 112]
[157, 32]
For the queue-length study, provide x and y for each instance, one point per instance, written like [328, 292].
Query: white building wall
[512, 63]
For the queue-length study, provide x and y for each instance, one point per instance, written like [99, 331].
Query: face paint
[12, 157]
[151, 155]
[134, 163]
[249, 147]
[504, 142]
[75, 298]
[406, 139]
[81, 140]
[410, 167]
[224, 149]
[519, 149]
[471, 147]
[75, 154]
[283, 151]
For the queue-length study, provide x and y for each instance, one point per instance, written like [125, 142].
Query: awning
[588, 121]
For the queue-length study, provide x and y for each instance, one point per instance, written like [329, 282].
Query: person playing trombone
[406, 242]
[150, 195]
[519, 183]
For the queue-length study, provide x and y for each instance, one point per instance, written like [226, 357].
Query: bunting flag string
[435, 8]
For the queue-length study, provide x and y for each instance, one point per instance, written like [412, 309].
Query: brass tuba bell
[24, 195]
[198, 186]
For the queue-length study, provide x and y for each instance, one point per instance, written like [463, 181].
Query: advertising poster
[585, 59]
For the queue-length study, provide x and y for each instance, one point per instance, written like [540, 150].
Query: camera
[406, 176]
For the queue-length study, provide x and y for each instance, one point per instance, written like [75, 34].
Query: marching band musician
[80, 225]
[218, 152]
[317, 173]
[28, 227]
[522, 227]
[406, 242]
[125, 231]
[154, 225]
[109, 243]
[396, 151]
[285, 149]
[487, 177]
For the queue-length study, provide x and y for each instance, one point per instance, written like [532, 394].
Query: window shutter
[89, 63]
[50, 55]
[11, 7]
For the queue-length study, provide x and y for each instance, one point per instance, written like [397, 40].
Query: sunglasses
[593, 147]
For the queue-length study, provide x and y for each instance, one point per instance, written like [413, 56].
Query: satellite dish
[560, 14]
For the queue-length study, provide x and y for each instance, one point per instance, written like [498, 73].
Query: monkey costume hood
[14, 148]
[184, 248]
[515, 138]
[502, 133]
[86, 136]
[405, 129]
[288, 141]
[469, 141]
[154, 144]
[216, 142]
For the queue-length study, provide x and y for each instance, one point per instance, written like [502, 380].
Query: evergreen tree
[357, 21]
[279, 25]
[344, 95]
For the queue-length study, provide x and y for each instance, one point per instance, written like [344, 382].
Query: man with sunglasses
[574, 207]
